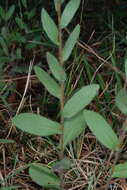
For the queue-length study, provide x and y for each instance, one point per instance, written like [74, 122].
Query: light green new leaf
[70, 43]
[36, 124]
[120, 171]
[121, 101]
[79, 100]
[126, 67]
[56, 68]
[43, 176]
[101, 129]
[69, 12]
[49, 83]
[56, 2]
[49, 26]
[73, 128]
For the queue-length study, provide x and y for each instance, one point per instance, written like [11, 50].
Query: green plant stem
[61, 155]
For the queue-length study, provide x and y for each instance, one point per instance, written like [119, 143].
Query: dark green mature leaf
[36, 124]
[120, 171]
[49, 26]
[101, 129]
[70, 43]
[49, 83]
[73, 128]
[43, 176]
[121, 101]
[56, 68]
[2, 13]
[79, 100]
[10, 12]
[69, 12]
[4, 46]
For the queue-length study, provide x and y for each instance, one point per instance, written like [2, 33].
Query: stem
[61, 155]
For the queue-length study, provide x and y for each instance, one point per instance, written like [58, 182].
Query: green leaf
[126, 67]
[49, 83]
[24, 3]
[79, 100]
[10, 12]
[6, 141]
[43, 176]
[73, 128]
[121, 101]
[120, 171]
[49, 26]
[2, 13]
[10, 188]
[101, 129]
[56, 68]
[36, 124]
[69, 12]
[21, 24]
[56, 2]
[4, 46]
[64, 164]
[70, 43]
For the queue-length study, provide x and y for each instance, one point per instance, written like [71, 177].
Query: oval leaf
[56, 68]
[79, 100]
[70, 43]
[43, 176]
[36, 124]
[69, 12]
[101, 129]
[120, 171]
[121, 101]
[49, 26]
[49, 83]
[73, 128]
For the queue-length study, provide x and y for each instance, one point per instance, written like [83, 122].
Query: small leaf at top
[49, 26]
[73, 128]
[56, 68]
[101, 129]
[120, 171]
[70, 43]
[49, 83]
[56, 2]
[79, 100]
[69, 12]
[36, 124]
[121, 101]
[43, 176]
